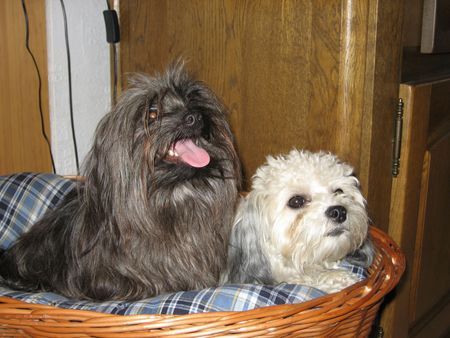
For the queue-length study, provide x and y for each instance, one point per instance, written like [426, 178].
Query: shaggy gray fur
[139, 225]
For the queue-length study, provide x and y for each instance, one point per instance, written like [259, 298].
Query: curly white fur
[304, 214]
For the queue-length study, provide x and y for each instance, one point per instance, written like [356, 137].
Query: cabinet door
[420, 215]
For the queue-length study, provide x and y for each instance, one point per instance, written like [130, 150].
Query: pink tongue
[191, 154]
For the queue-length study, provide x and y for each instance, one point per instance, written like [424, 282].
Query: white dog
[304, 215]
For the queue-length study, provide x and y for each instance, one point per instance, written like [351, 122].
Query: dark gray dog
[155, 210]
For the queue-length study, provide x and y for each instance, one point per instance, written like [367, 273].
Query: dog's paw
[336, 280]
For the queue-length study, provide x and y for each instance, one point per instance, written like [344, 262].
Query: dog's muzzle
[336, 213]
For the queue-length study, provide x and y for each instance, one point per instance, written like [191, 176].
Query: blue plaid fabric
[225, 298]
[359, 271]
[25, 197]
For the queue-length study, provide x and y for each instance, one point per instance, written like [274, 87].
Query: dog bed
[25, 197]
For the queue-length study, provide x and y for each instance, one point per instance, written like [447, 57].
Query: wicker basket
[349, 313]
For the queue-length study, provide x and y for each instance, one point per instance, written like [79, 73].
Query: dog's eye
[296, 202]
[153, 112]
[339, 191]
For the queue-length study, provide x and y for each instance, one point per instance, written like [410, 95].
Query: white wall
[90, 64]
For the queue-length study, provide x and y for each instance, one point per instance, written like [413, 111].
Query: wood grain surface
[430, 288]
[405, 199]
[319, 75]
[22, 146]
[419, 214]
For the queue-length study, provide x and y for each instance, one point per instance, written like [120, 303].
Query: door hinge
[397, 141]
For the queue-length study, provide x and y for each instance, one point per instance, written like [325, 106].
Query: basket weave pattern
[349, 313]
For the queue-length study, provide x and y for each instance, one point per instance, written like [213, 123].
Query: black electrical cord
[115, 64]
[69, 68]
[27, 46]
[115, 61]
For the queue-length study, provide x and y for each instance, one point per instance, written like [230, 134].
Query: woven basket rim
[348, 312]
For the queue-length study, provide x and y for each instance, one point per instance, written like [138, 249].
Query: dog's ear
[247, 261]
[363, 256]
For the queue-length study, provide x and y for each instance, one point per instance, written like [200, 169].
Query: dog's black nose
[192, 119]
[337, 213]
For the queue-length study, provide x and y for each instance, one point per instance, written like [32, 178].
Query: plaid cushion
[225, 298]
[25, 197]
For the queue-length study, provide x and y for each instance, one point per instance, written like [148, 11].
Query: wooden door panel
[430, 288]
[275, 64]
[432, 273]
[22, 145]
[405, 194]
[420, 214]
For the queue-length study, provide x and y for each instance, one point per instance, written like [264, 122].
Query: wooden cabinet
[420, 214]
[320, 75]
